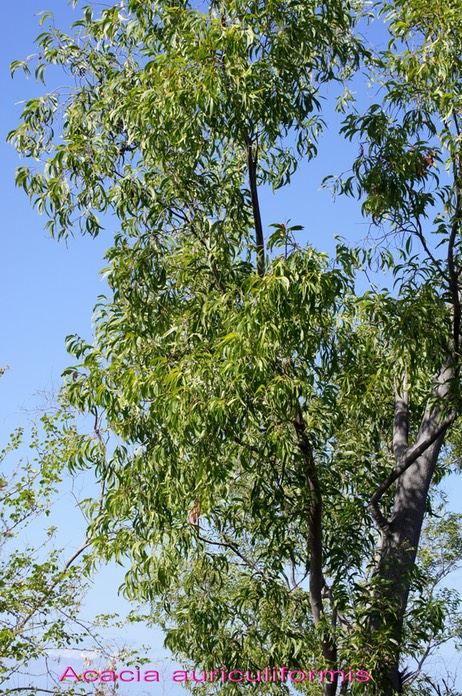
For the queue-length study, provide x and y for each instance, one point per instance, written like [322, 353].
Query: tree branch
[401, 424]
[36, 689]
[420, 235]
[252, 171]
[66, 567]
[317, 582]
[409, 677]
[228, 545]
[413, 453]
[314, 519]
[431, 428]
[75, 555]
[453, 271]
[453, 277]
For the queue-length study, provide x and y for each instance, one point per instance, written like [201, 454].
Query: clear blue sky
[48, 290]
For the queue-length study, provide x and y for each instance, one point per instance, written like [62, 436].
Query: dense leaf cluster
[271, 423]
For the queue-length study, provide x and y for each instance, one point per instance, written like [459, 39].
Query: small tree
[40, 593]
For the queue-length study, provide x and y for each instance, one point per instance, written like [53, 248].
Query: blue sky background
[48, 290]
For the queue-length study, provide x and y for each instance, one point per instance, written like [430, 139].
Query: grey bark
[400, 535]
[399, 548]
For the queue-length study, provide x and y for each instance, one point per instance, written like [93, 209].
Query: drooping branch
[252, 172]
[418, 230]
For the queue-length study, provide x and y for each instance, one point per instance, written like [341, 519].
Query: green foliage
[38, 600]
[166, 98]
[40, 590]
[253, 396]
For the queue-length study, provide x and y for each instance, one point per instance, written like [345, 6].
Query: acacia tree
[277, 434]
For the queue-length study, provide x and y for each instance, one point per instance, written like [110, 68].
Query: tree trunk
[397, 555]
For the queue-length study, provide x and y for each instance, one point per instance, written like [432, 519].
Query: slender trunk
[328, 646]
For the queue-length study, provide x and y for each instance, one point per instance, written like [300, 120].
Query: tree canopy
[276, 431]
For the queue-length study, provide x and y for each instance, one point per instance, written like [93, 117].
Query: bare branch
[75, 555]
[418, 231]
[35, 689]
[409, 677]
